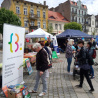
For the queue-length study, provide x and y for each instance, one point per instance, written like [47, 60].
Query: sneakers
[92, 77]
[32, 91]
[70, 73]
[92, 90]
[42, 94]
[78, 86]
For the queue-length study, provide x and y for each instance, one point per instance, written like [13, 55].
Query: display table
[31, 56]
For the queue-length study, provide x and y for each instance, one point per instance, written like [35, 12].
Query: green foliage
[9, 17]
[49, 28]
[73, 25]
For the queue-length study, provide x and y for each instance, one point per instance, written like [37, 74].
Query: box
[14, 95]
[11, 94]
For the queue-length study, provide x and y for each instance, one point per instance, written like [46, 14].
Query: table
[31, 56]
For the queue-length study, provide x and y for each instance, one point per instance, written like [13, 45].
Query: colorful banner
[13, 50]
[55, 44]
[29, 66]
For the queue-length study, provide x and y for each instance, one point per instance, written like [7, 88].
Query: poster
[13, 50]
[55, 44]
[30, 70]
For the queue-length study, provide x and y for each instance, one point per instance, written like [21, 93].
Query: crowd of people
[83, 55]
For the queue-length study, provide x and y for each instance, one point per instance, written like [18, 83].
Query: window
[76, 11]
[60, 26]
[79, 20]
[44, 25]
[32, 23]
[38, 13]
[92, 22]
[32, 12]
[25, 11]
[82, 12]
[50, 24]
[82, 20]
[56, 26]
[25, 24]
[38, 24]
[79, 12]
[44, 16]
[72, 9]
[18, 10]
[85, 13]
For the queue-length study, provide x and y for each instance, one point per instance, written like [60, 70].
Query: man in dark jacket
[41, 67]
[84, 66]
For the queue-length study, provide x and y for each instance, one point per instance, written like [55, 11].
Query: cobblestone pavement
[62, 85]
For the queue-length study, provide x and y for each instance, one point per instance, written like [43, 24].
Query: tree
[73, 25]
[9, 17]
[49, 28]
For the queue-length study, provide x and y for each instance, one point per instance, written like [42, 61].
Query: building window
[44, 25]
[32, 12]
[76, 11]
[44, 15]
[79, 20]
[79, 12]
[25, 11]
[25, 24]
[32, 23]
[38, 24]
[56, 26]
[50, 24]
[85, 13]
[18, 10]
[60, 26]
[82, 20]
[92, 22]
[38, 13]
[82, 12]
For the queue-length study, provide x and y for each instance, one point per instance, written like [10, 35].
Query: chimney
[45, 3]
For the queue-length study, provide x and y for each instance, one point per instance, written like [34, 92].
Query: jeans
[69, 60]
[91, 71]
[61, 50]
[44, 81]
[85, 73]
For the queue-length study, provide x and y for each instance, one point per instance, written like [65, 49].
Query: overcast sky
[91, 4]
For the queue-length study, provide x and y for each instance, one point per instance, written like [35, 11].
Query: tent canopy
[39, 33]
[73, 33]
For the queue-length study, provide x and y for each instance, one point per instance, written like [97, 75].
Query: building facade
[72, 11]
[32, 15]
[91, 25]
[57, 21]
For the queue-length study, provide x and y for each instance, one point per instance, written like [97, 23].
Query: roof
[75, 3]
[55, 16]
[32, 3]
[73, 33]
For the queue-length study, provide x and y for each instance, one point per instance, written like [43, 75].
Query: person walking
[90, 49]
[69, 54]
[41, 67]
[84, 66]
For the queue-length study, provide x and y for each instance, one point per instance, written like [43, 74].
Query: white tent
[39, 33]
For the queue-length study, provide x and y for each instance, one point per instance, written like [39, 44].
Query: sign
[13, 50]
[55, 44]
[29, 66]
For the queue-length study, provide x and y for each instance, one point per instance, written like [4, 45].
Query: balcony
[33, 16]
[87, 24]
[85, 16]
[74, 13]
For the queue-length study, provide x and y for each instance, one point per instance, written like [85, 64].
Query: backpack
[94, 54]
[89, 58]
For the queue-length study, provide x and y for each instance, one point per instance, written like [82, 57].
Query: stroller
[76, 69]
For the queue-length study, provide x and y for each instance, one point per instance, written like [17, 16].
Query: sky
[92, 5]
